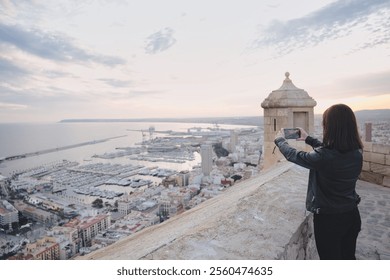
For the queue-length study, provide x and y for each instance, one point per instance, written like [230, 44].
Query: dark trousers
[336, 234]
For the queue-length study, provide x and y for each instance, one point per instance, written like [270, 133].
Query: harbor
[41, 152]
[136, 180]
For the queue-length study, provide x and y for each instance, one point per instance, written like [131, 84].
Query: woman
[334, 167]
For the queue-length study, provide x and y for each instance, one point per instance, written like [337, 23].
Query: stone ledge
[302, 244]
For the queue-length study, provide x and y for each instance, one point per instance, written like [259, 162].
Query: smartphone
[292, 133]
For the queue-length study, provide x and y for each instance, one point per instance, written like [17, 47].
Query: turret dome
[288, 95]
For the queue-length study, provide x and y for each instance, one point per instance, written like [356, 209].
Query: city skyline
[124, 59]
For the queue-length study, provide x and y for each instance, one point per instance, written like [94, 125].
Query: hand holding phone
[292, 133]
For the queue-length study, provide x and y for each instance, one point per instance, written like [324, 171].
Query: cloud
[51, 46]
[143, 93]
[117, 83]
[379, 28]
[367, 85]
[160, 41]
[11, 106]
[9, 97]
[40, 96]
[134, 94]
[10, 72]
[371, 84]
[333, 21]
[54, 74]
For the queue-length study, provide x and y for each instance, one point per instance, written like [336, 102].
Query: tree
[97, 203]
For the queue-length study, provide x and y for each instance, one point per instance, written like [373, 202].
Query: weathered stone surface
[366, 166]
[387, 160]
[367, 156]
[376, 163]
[367, 146]
[288, 95]
[371, 177]
[374, 239]
[380, 169]
[377, 158]
[285, 107]
[381, 149]
[386, 181]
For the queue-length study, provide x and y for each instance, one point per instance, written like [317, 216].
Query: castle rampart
[376, 164]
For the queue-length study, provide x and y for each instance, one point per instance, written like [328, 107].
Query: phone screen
[292, 133]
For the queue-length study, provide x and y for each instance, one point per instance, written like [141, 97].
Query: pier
[46, 151]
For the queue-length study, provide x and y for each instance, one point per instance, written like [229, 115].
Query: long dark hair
[340, 129]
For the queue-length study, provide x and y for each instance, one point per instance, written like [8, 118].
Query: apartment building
[8, 215]
[68, 240]
[46, 248]
[90, 227]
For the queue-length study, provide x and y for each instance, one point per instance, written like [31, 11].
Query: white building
[90, 227]
[68, 240]
[125, 205]
[4, 181]
[206, 152]
[233, 140]
[8, 214]
[183, 178]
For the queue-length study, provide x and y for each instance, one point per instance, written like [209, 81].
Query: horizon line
[185, 118]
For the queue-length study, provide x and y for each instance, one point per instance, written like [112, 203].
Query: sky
[178, 58]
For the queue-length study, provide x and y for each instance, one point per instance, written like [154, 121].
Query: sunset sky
[177, 58]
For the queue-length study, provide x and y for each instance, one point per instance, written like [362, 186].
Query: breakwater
[51, 150]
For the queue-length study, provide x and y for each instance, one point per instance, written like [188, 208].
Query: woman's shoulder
[332, 153]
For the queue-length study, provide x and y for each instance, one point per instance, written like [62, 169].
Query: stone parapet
[376, 164]
[371, 177]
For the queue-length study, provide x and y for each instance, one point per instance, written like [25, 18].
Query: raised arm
[310, 160]
[315, 143]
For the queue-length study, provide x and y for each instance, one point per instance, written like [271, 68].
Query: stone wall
[302, 243]
[376, 164]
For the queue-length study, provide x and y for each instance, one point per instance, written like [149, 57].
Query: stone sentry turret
[286, 107]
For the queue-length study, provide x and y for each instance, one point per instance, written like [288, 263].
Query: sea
[21, 138]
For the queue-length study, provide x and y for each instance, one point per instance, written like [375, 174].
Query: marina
[88, 179]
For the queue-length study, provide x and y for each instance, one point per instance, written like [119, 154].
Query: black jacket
[332, 177]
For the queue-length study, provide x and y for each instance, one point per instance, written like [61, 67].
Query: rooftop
[260, 218]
